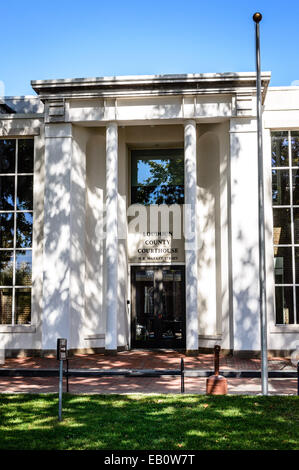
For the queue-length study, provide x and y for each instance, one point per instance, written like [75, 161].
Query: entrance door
[158, 307]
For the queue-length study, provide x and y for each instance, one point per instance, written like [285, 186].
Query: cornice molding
[149, 85]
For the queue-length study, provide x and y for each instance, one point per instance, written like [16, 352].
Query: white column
[244, 235]
[57, 212]
[78, 237]
[191, 237]
[111, 237]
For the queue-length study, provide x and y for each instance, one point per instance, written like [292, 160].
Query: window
[16, 218]
[157, 176]
[285, 201]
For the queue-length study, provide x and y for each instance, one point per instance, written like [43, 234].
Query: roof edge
[144, 85]
[151, 78]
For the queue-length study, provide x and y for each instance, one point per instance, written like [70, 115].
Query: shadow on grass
[157, 422]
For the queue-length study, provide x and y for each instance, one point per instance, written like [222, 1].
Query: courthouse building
[129, 214]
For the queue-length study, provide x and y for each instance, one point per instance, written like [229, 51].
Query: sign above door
[155, 247]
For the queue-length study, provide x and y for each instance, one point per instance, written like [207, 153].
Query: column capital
[191, 122]
[55, 110]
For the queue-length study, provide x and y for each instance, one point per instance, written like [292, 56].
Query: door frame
[132, 297]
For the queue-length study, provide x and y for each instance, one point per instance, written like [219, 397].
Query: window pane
[5, 306]
[25, 155]
[25, 193]
[6, 230]
[282, 226]
[295, 177]
[23, 268]
[23, 306]
[295, 147]
[283, 265]
[6, 268]
[24, 230]
[296, 225]
[297, 267]
[284, 305]
[20, 272]
[280, 155]
[146, 275]
[7, 156]
[297, 304]
[158, 177]
[7, 192]
[280, 187]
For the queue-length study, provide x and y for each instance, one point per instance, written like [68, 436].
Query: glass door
[158, 307]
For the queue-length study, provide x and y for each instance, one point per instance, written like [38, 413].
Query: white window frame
[293, 245]
[14, 249]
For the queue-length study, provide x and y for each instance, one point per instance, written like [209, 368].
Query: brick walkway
[144, 360]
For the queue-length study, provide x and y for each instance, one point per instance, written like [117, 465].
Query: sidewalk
[144, 360]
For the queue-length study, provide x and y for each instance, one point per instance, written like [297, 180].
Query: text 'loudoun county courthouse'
[129, 214]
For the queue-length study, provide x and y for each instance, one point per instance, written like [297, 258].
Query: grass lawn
[153, 422]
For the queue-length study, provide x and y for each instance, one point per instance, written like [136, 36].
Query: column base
[110, 352]
[191, 352]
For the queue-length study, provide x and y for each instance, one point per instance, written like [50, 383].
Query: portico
[121, 114]
[146, 215]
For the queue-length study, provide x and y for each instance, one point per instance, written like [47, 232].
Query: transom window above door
[157, 176]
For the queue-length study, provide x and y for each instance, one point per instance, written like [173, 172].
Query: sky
[95, 38]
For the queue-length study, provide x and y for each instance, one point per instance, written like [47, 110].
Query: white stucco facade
[84, 131]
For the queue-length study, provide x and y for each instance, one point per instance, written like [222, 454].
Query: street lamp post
[262, 258]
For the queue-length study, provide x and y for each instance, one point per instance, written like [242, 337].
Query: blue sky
[71, 38]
